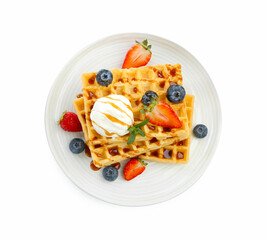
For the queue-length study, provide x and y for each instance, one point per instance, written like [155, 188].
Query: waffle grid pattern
[132, 83]
[178, 152]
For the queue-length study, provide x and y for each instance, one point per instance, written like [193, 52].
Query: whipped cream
[111, 116]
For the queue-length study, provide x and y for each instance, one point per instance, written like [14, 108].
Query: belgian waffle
[133, 83]
[79, 108]
[106, 154]
[178, 152]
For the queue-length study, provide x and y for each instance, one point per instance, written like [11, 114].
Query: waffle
[79, 108]
[106, 154]
[178, 152]
[133, 83]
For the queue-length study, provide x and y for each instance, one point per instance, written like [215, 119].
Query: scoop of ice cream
[112, 116]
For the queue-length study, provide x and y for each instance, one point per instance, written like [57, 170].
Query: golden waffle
[106, 154]
[133, 83]
[178, 152]
[79, 108]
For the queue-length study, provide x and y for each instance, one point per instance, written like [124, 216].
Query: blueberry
[104, 77]
[77, 145]
[200, 131]
[148, 97]
[176, 93]
[110, 173]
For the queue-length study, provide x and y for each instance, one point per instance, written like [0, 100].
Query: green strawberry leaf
[62, 116]
[151, 106]
[144, 45]
[142, 162]
[145, 42]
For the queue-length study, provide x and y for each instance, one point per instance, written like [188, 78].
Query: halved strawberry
[134, 168]
[139, 55]
[164, 116]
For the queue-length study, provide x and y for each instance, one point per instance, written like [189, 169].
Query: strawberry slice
[139, 55]
[164, 116]
[133, 168]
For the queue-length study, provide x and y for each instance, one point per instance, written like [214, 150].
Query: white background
[39, 37]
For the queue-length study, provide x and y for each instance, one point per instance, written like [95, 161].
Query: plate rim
[71, 61]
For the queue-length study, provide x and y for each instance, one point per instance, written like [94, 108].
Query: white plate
[159, 182]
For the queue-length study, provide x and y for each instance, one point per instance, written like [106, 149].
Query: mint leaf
[134, 130]
[142, 133]
[131, 129]
[131, 138]
[141, 124]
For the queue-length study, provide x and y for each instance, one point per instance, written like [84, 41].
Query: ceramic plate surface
[159, 182]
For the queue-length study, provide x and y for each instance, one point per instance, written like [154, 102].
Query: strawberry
[69, 121]
[139, 55]
[133, 168]
[163, 115]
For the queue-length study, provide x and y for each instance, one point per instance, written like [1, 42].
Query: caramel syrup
[116, 165]
[160, 75]
[155, 154]
[92, 80]
[167, 129]
[128, 106]
[115, 106]
[91, 95]
[79, 95]
[126, 150]
[93, 166]
[153, 140]
[87, 151]
[180, 155]
[83, 115]
[162, 84]
[151, 127]
[167, 153]
[113, 151]
[106, 132]
[181, 143]
[135, 89]
[113, 119]
[173, 72]
[137, 102]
